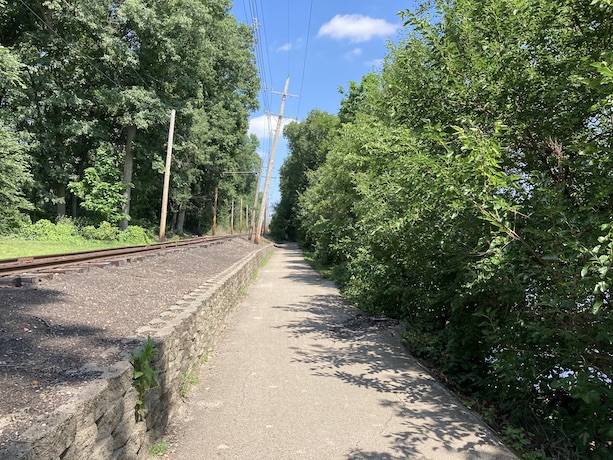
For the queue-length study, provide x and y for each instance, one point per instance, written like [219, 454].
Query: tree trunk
[213, 228]
[128, 167]
[181, 220]
[60, 194]
[240, 218]
[173, 223]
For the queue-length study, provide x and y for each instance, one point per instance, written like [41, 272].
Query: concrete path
[289, 380]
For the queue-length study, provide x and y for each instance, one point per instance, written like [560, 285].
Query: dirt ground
[54, 334]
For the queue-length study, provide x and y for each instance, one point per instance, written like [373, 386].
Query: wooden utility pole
[255, 201]
[240, 218]
[215, 212]
[171, 131]
[247, 216]
[256, 238]
[232, 219]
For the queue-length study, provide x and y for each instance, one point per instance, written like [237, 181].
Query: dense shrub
[67, 231]
[63, 231]
[134, 235]
[470, 193]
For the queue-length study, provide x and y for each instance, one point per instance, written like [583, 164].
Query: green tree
[469, 192]
[102, 78]
[14, 162]
[308, 143]
[359, 98]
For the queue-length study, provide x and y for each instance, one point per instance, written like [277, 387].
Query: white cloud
[374, 63]
[261, 126]
[357, 28]
[264, 126]
[356, 52]
[290, 46]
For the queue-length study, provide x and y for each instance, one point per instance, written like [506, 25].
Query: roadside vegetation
[45, 237]
[467, 188]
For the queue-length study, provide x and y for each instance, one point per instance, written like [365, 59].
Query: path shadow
[299, 270]
[367, 352]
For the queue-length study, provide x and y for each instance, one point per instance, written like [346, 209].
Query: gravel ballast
[55, 334]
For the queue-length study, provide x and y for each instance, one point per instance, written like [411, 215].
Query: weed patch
[188, 380]
[159, 448]
[145, 377]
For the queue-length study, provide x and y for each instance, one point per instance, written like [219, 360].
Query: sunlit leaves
[472, 196]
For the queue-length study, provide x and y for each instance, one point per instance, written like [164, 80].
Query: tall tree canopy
[308, 143]
[101, 79]
[14, 167]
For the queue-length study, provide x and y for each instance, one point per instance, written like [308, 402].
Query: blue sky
[345, 40]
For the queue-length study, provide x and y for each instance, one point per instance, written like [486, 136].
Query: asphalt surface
[301, 375]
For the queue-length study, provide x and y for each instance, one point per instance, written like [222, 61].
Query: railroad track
[18, 271]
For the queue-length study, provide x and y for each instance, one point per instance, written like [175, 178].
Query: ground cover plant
[45, 237]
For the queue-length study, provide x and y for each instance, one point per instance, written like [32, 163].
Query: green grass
[188, 380]
[205, 356]
[264, 261]
[159, 448]
[12, 248]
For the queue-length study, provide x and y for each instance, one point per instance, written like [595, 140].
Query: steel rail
[29, 264]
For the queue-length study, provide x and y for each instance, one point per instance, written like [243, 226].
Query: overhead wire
[263, 64]
[89, 60]
[265, 44]
[258, 25]
[306, 51]
[245, 10]
[288, 39]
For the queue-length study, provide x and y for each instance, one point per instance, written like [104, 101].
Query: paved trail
[290, 381]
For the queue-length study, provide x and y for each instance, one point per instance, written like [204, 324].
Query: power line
[305, 58]
[257, 26]
[262, 55]
[267, 61]
[288, 40]
[245, 9]
[89, 59]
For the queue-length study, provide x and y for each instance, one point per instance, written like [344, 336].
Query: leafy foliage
[14, 161]
[99, 191]
[92, 84]
[145, 377]
[14, 180]
[68, 231]
[308, 145]
[469, 191]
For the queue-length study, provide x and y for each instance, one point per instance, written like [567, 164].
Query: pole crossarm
[280, 115]
[284, 94]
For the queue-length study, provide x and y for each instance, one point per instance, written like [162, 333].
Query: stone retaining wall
[100, 422]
